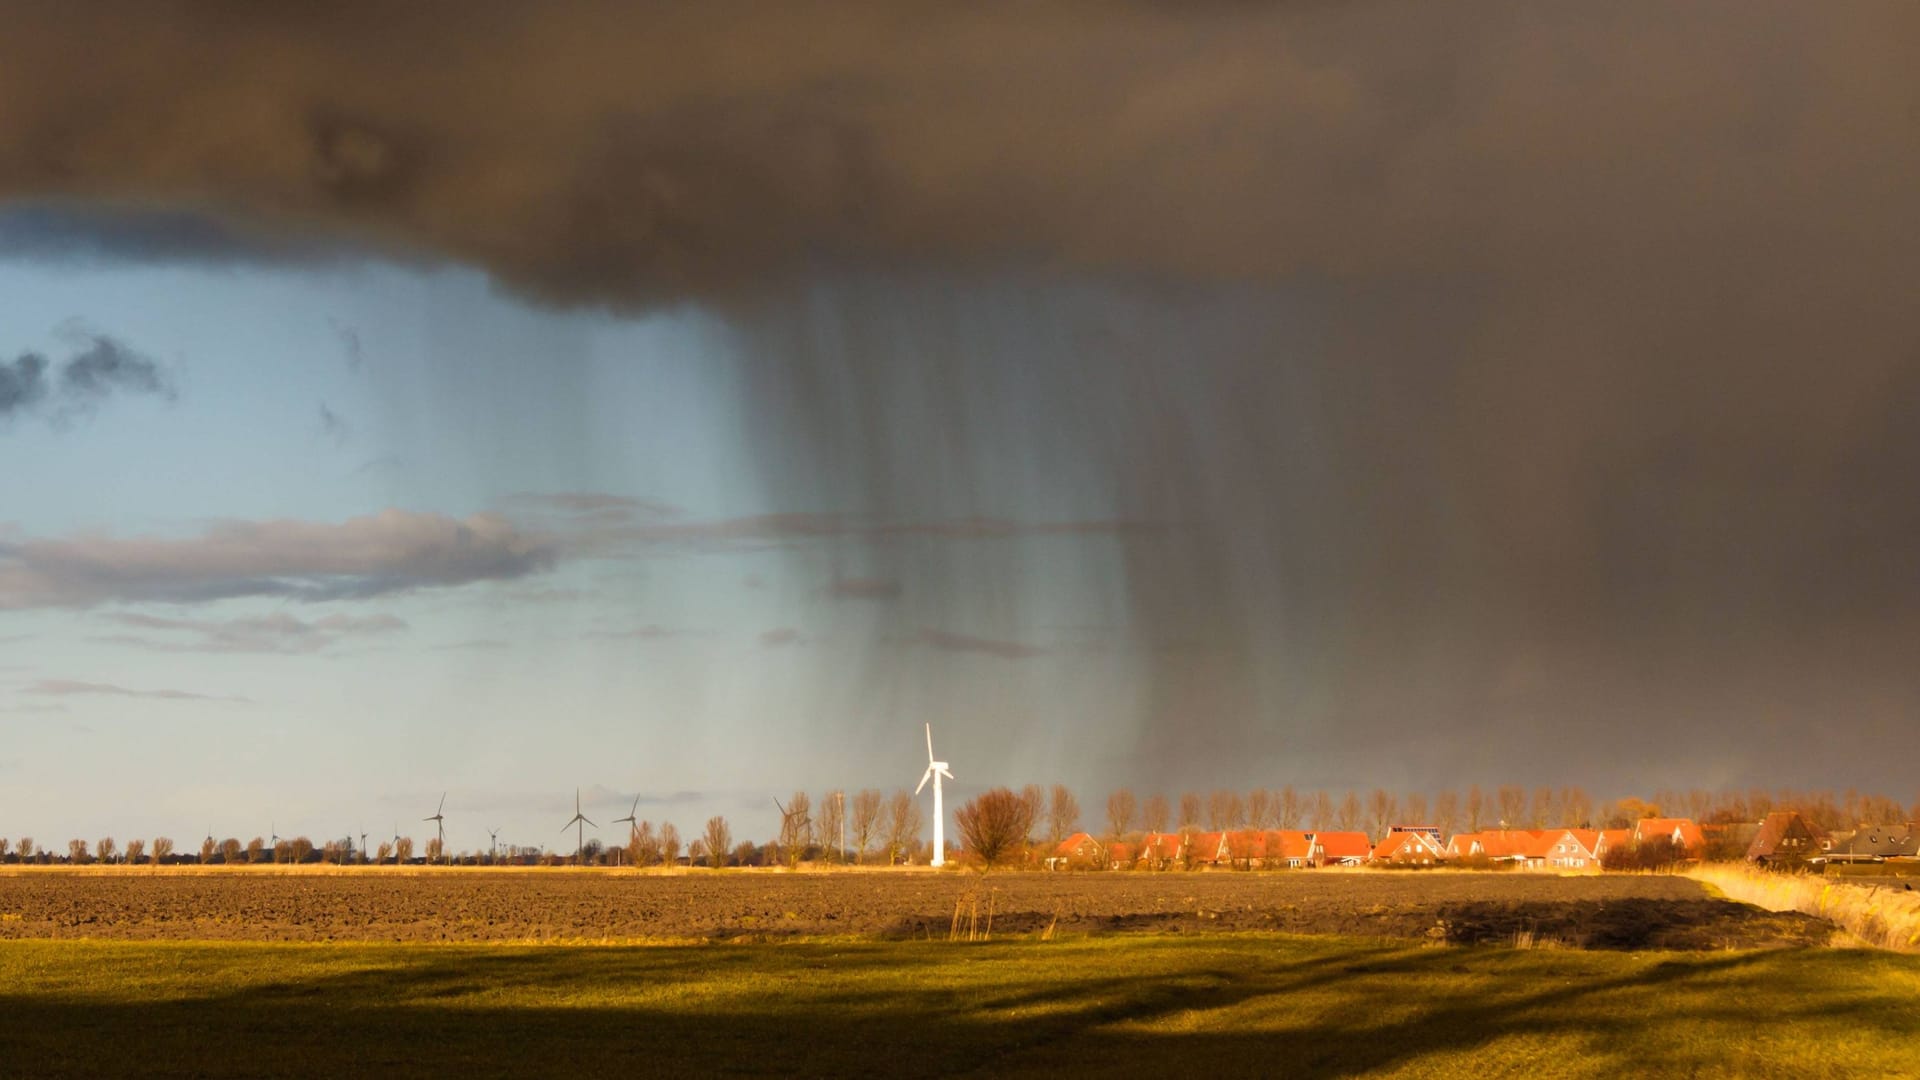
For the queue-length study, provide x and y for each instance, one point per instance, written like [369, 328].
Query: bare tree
[385, 852]
[1190, 810]
[902, 827]
[436, 849]
[1120, 808]
[1322, 810]
[745, 854]
[77, 852]
[1063, 814]
[1413, 808]
[25, 848]
[1513, 806]
[833, 817]
[1541, 811]
[4, 845]
[670, 844]
[643, 848]
[1349, 813]
[1578, 807]
[1217, 809]
[1476, 807]
[402, 851]
[208, 849]
[1154, 818]
[1380, 808]
[1225, 810]
[866, 817]
[1260, 809]
[994, 825]
[718, 840]
[256, 850]
[230, 851]
[1290, 808]
[104, 849]
[162, 849]
[1036, 799]
[135, 849]
[1446, 811]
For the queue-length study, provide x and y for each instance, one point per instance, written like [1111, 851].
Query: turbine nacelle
[933, 768]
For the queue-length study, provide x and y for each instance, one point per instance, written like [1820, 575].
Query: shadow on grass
[1155, 1008]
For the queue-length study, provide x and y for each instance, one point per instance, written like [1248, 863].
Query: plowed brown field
[1609, 912]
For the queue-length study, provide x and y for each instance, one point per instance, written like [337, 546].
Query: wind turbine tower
[493, 845]
[629, 819]
[936, 770]
[439, 820]
[579, 820]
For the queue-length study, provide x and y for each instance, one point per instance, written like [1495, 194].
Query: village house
[1874, 844]
[1787, 837]
[1078, 850]
[1408, 847]
[1683, 832]
[1341, 848]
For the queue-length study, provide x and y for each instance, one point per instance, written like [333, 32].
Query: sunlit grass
[1240, 1005]
[1877, 915]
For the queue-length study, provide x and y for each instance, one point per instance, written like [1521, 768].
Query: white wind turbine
[936, 770]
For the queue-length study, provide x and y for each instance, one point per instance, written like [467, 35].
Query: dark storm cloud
[99, 366]
[635, 152]
[1510, 375]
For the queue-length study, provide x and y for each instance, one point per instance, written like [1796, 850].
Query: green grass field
[1121, 1005]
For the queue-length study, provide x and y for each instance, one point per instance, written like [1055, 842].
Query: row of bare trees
[80, 853]
[1511, 806]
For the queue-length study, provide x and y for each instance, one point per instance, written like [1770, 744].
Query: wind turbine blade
[946, 773]
[443, 804]
[924, 777]
[589, 821]
[929, 742]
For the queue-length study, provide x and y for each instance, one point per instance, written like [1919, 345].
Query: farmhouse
[1080, 849]
[1785, 836]
[1408, 847]
[1874, 843]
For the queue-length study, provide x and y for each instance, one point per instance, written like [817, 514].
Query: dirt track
[1592, 912]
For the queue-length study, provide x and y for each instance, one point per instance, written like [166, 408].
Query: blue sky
[706, 674]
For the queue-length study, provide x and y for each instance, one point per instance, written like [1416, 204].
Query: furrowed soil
[1593, 912]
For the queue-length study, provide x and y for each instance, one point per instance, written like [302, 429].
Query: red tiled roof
[1689, 833]
[1289, 844]
[1073, 846]
[1344, 845]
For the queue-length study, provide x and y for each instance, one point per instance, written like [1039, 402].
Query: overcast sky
[1172, 395]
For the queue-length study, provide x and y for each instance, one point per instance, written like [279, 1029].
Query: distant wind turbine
[580, 820]
[493, 845]
[629, 819]
[936, 770]
[439, 820]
